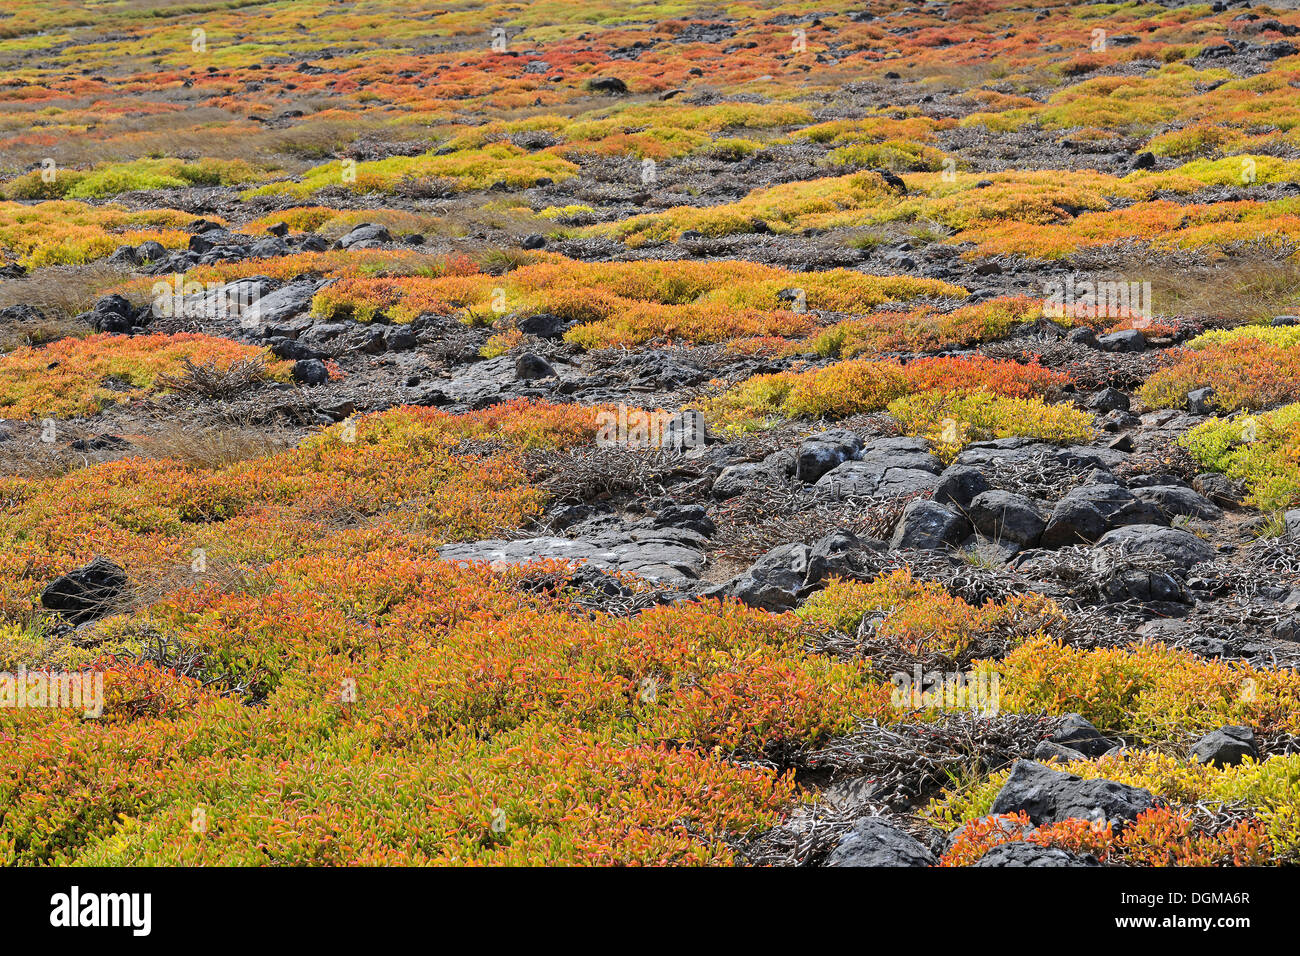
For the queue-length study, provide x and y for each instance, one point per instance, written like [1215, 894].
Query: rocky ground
[1134, 541]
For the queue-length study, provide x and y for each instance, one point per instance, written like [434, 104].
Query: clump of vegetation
[113, 178]
[78, 376]
[858, 386]
[1261, 451]
[952, 420]
[1248, 368]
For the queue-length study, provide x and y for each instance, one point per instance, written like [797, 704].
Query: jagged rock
[1004, 516]
[529, 366]
[1116, 504]
[909, 453]
[1049, 749]
[494, 380]
[286, 348]
[370, 341]
[1174, 500]
[840, 554]
[671, 555]
[112, 313]
[1109, 399]
[1292, 520]
[1130, 340]
[1180, 548]
[1200, 401]
[927, 525]
[1083, 336]
[544, 325]
[310, 372]
[1078, 733]
[610, 85]
[826, 450]
[773, 582]
[291, 299]
[893, 466]
[87, 592]
[1073, 522]
[150, 251]
[1142, 586]
[267, 248]
[125, 255]
[873, 842]
[1020, 853]
[692, 517]
[400, 339]
[1026, 451]
[1226, 746]
[365, 236]
[1218, 488]
[1050, 796]
[960, 485]
[737, 479]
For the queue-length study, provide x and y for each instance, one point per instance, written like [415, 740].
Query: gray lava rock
[1218, 488]
[125, 255]
[1174, 500]
[86, 593]
[150, 251]
[773, 582]
[544, 325]
[400, 339]
[365, 236]
[1050, 796]
[1180, 548]
[112, 313]
[1020, 853]
[841, 554]
[529, 366]
[1200, 401]
[291, 299]
[684, 431]
[610, 85]
[821, 452]
[927, 525]
[873, 842]
[1083, 336]
[1130, 340]
[736, 479]
[1004, 516]
[1078, 733]
[892, 466]
[672, 555]
[1108, 400]
[286, 348]
[310, 372]
[1047, 750]
[1116, 504]
[960, 485]
[1226, 746]
[1073, 522]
